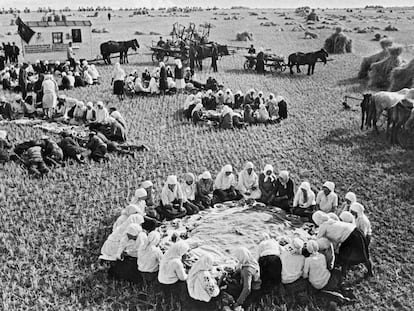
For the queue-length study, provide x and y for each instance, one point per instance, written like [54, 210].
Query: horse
[107, 48]
[365, 110]
[206, 49]
[309, 59]
[398, 116]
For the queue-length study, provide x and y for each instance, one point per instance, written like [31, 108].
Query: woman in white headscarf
[171, 203]
[272, 106]
[188, 187]
[131, 209]
[284, 191]
[238, 100]
[90, 114]
[118, 78]
[202, 286]
[248, 184]
[267, 180]
[228, 98]
[179, 75]
[197, 112]
[225, 186]
[153, 83]
[49, 99]
[350, 198]
[189, 105]
[250, 275]
[292, 261]
[79, 113]
[361, 220]
[125, 267]
[149, 255]
[226, 118]
[172, 274]
[304, 201]
[102, 114]
[204, 190]
[351, 243]
[139, 87]
[110, 248]
[327, 199]
[262, 115]
[269, 262]
[347, 217]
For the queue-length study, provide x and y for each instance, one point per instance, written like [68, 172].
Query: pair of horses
[400, 113]
[121, 47]
[310, 59]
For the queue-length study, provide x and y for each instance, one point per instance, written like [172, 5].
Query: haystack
[380, 72]
[244, 36]
[338, 43]
[402, 77]
[369, 60]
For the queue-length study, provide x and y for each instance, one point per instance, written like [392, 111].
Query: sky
[34, 4]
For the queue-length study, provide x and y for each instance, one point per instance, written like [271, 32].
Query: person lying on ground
[304, 202]
[248, 183]
[52, 153]
[33, 160]
[149, 255]
[226, 118]
[204, 190]
[327, 199]
[70, 148]
[267, 180]
[188, 188]
[361, 220]
[171, 204]
[250, 276]
[225, 186]
[97, 147]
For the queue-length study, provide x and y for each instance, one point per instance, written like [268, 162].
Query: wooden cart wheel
[283, 67]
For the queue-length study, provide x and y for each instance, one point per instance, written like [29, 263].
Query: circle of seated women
[230, 110]
[340, 240]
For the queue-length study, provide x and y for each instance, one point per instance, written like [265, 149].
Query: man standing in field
[15, 51]
[23, 80]
[214, 57]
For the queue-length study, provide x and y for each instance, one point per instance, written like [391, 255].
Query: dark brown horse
[309, 59]
[206, 49]
[121, 47]
[366, 106]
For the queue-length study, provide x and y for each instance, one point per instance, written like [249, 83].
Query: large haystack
[379, 74]
[402, 77]
[338, 43]
[244, 36]
[369, 60]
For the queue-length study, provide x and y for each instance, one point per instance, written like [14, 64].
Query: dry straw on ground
[338, 43]
[402, 77]
[369, 60]
[379, 74]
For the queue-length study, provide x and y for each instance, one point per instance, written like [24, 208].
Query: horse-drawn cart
[272, 62]
[162, 54]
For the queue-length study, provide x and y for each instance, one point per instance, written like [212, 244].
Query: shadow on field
[355, 85]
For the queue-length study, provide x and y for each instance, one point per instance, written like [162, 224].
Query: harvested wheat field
[52, 229]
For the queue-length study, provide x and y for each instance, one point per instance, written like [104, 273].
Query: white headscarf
[351, 197]
[226, 110]
[319, 217]
[195, 280]
[152, 240]
[357, 208]
[245, 258]
[246, 180]
[102, 115]
[222, 180]
[312, 247]
[198, 107]
[176, 251]
[330, 185]
[272, 176]
[269, 247]
[346, 216]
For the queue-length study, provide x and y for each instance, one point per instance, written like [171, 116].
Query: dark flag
[25, 32]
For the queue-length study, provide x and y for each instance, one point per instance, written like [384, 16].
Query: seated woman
[249, 97]
[146, 76]
[125, 268]
[226, 118]
[353, 246]
[259, 100]
[347, 217]
[139, 87]
[110, 249]
[262, 115]
[153, 86]
[220, 98]
[238, 100]
[209, 101]
[350, 198]
[204, 190]
[293, 261]
[283, 191]
[197, 113]
[304, 202]
[248, 115]
[149, 255]
[188, 188]
[138, 200]
[172, 274]
[283, 113]
[90, 115]
[102, 114]
[267, 180]
[78, 113]
[189, 105]
[272, 107]
[269, 262]
[225, 186]
[202, 286]
[228, 98]
[171, 204]
[361, 220]
[327, 199]
[316, 270]
[94, 73]
[97, 147]
[248, 184]
[250, 276]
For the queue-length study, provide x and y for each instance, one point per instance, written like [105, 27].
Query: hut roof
[59, 24]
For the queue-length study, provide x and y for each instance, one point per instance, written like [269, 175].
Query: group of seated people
[237, 110]
[39, 154]
[134, 250]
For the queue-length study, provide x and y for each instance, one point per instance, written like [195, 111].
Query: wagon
[272, 62]
[162, 54]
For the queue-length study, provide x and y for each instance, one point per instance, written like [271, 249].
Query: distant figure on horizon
[109, 16]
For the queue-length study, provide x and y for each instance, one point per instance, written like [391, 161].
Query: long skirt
[179, 84]
[170, 214]
[270, 271]
[49, 100]
[119, 87]
[126, 269]
[177, 290]
[220, 195]
[191, 207]
[354, 250]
